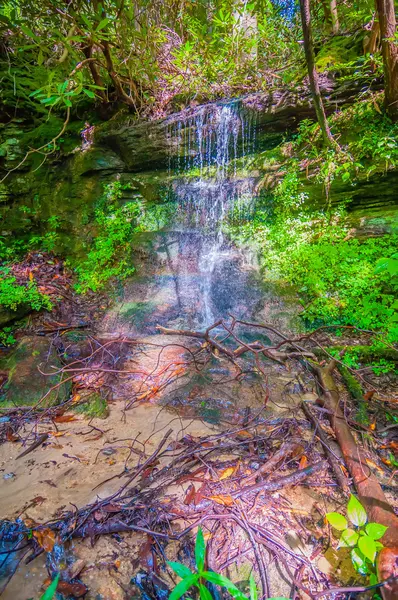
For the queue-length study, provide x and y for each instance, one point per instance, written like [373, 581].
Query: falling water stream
[200, 276]
[211, 143]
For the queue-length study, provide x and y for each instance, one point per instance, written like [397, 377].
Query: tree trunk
[389, 47]
[313, 75]
[331, 14]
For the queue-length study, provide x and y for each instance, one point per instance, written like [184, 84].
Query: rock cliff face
[144, 154]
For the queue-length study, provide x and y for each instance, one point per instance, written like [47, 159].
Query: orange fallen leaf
[56, 433]
[227, 473]
[76, 398]
[46, 538]
[345, 471]
[223, 500]
[65, 419]
[11, 437]
[369, 395]
[245, 434]
[303, 462]
[374, 465]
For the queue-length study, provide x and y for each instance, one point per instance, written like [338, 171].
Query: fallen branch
[292, 479]
[341, 478]
[287, 449]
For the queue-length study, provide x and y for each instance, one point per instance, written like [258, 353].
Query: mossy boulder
[25, 384]
[93, 405]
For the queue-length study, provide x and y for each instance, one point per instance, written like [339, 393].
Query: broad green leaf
[375, 530]
[89, 93]
[379, 545]
[103, 24]
[86, 21]
[368, 547]
[224, 582]
[359, 562]
[348, 539]
[337, 520]
[356, 512]
[29, 32]
[373, 579]
[67, 102]
[50, 591]
[253, 588]
[200, 550]
[183, 586]
[204, 592]
[181, 570]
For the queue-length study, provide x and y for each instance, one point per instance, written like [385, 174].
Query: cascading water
[209, 146]
[198, 276]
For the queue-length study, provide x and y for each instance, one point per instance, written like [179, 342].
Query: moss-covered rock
[93, 406]
[26, 385]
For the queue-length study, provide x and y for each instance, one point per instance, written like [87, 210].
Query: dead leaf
[94, 438]
[244, 434]
[46, 538]
[374, 465]
[368, 396]
[57, 433]
[190, 495]
[199, 495]
[303, 462]
[112, 508]
[227, 473]
[376, 106]
[223, 500]
[73, 590]
[65, 419]
[11, 437]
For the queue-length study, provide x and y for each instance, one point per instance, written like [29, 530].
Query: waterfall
[208, 147]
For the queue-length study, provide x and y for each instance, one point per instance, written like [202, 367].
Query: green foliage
[13, 295]
[363, 540]
[368, 141]
[190, 579]
[335, 275]
[6, 337]
[49, 594]
[141, 54]
[340, 279]
[110, 253]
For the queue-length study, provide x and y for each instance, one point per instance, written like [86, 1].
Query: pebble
[9, 476]
[108, 451]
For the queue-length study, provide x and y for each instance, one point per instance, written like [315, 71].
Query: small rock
[109, 451]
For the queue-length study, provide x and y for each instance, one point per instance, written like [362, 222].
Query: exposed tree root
[368, 487]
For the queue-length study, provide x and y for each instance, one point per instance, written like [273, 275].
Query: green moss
[26, 385]
[93, 406]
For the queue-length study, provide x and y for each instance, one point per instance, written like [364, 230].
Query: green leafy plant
[190, 579]
[110, 253]
[363, 537]
[13, 295]
[49, 594]
[6, 337]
